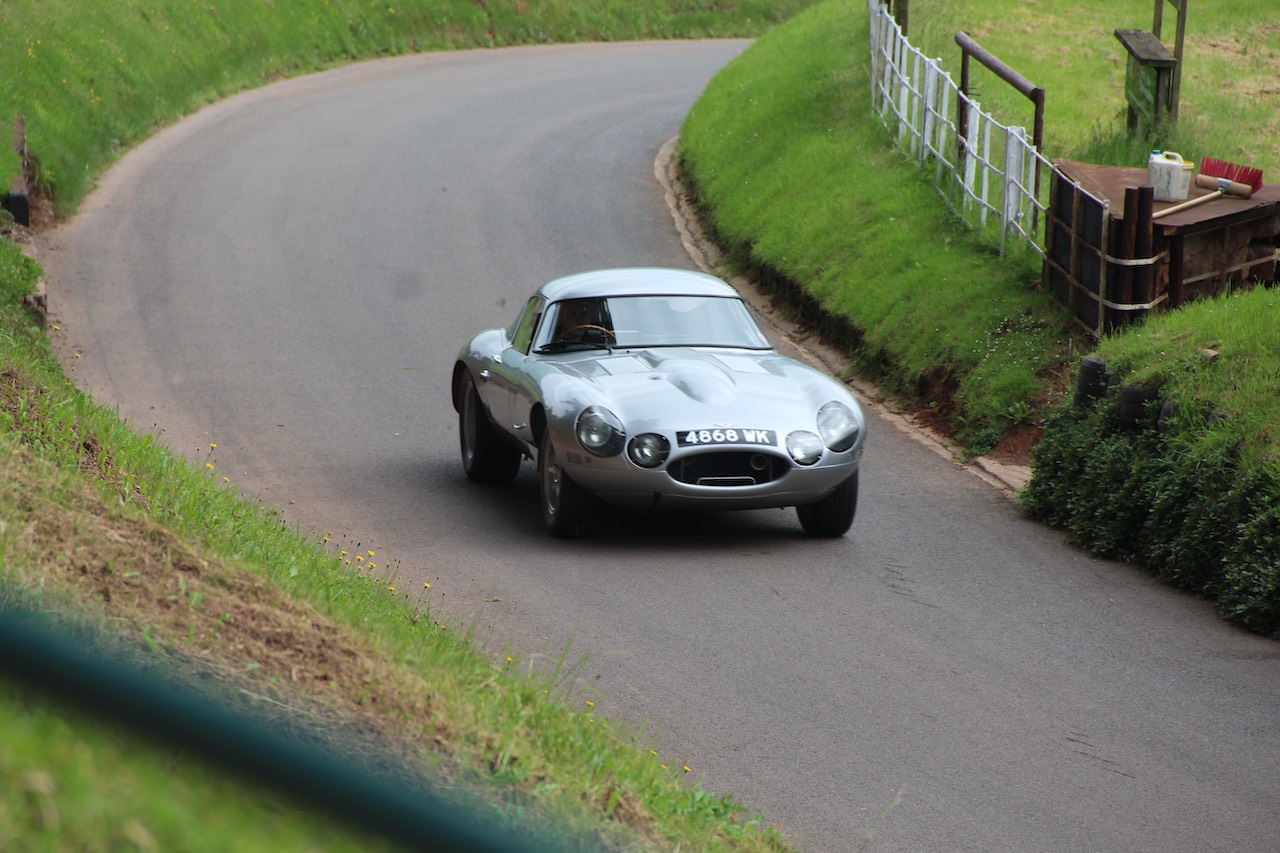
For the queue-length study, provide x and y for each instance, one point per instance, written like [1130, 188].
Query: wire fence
[989, 174]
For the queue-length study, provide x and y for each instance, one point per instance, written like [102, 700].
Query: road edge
[704, 253]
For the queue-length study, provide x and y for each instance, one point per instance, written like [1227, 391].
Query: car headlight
[838, 426]
[649, 450]
[805, 447]
[600, 431]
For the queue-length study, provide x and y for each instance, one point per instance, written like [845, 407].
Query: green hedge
[1192, 513]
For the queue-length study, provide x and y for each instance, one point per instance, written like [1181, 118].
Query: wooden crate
[1111, 264]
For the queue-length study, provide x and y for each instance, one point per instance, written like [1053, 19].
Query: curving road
[289, 273]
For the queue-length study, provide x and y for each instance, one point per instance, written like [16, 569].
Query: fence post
[916, 121]
[1015, 158]
[944, 104]
[930, 96]
[985, 122]
[904, 95]
[970, 163]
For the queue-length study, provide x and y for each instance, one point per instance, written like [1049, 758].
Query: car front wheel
[568, 511]
[833, 515]
[485, 456]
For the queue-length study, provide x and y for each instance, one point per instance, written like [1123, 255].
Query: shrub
[1188, 511]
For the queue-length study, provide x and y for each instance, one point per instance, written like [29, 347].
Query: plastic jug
[1169, 175]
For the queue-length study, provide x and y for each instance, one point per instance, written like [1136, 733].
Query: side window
[522, 332]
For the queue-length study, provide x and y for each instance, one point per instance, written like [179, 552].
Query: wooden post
[1123, 291]
[1176, 82]
[901, 12]
[1143, 276]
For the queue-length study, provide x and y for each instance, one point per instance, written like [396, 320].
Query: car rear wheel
[833, 515]
[486, 457]
[568, 511]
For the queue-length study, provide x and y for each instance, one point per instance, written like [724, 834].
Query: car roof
[635, 281]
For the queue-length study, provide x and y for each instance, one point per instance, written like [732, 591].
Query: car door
[507, 382]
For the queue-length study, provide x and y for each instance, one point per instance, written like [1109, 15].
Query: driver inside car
[585, 321]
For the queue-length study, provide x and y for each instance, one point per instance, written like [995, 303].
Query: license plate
[726, 435]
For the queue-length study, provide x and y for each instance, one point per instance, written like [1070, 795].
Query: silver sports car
[655, 389]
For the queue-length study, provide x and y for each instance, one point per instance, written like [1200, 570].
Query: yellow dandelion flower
[226, 479]
[392, 588]
[371, 554]
[213, 446]
[590, 704]
[359, 558]
[426, 586]
[209, 465]
[688, 769]
[510, 659]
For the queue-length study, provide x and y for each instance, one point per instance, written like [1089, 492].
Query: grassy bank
[805, 191]
[108, 530]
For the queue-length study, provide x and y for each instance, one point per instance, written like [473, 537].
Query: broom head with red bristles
[1231, 179]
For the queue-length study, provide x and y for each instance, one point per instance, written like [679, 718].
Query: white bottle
[1169, 175]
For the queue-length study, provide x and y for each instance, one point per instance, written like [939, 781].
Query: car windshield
[649, 321]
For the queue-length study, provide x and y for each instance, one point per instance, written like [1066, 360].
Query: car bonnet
[680, 387]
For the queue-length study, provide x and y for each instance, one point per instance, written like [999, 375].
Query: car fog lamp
[838, 426]
[649, 450]
[805, 447]
[600, 431]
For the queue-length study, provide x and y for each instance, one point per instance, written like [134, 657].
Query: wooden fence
[987, 172]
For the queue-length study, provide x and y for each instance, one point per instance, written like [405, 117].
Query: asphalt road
[288, 275]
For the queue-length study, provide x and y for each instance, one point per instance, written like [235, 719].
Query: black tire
[486, 457]
[567, 510]
[833, 515]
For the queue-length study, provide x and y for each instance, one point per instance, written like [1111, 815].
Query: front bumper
[691, 481]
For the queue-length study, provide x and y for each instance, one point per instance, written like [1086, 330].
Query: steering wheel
[587, 327]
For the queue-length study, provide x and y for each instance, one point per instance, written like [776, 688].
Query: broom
[1224, 179]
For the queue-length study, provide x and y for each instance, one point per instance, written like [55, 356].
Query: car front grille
[728, 468]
